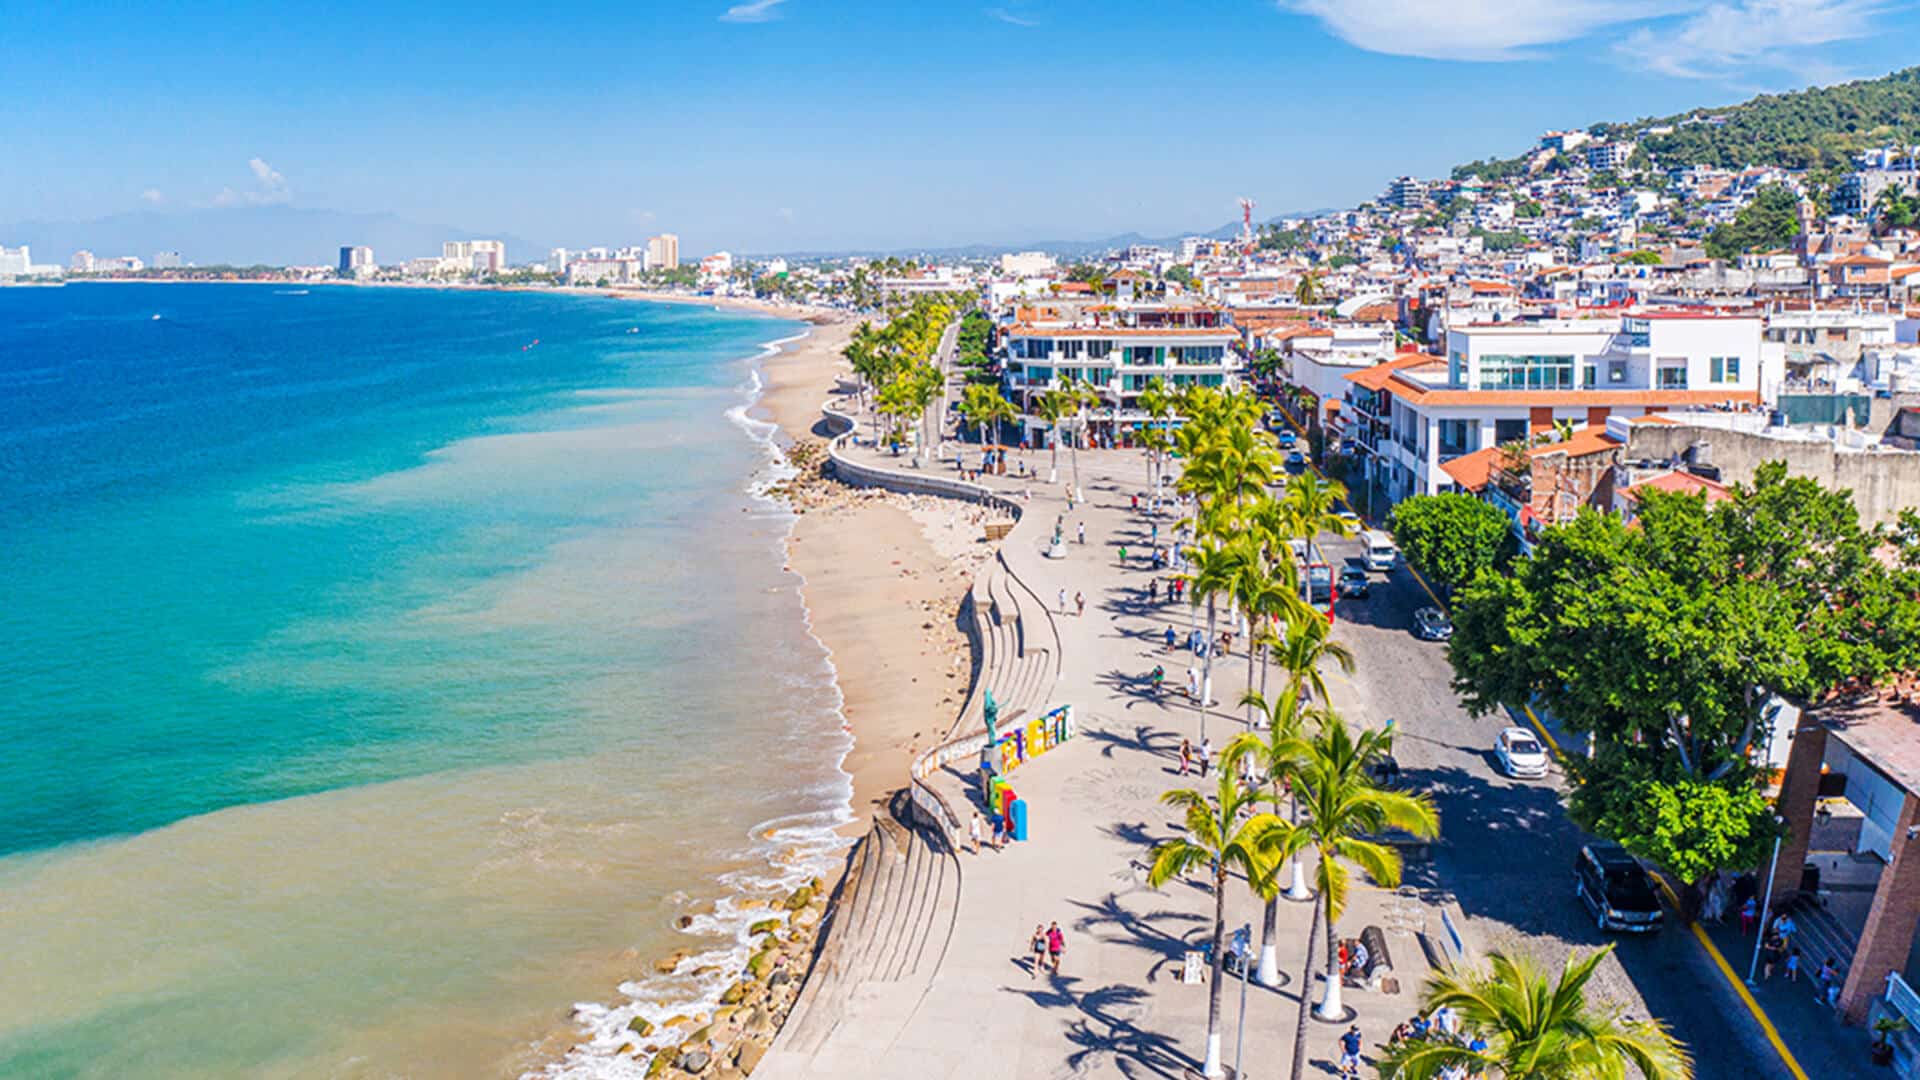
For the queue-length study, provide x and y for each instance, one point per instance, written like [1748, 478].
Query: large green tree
[1451, 537]
[1771, 220]
[1665, 640]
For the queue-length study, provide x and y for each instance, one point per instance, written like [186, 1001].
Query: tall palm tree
[1536, 1030]
[1299, 652]
[986, 407]
[1216, 566]
[1222, 835]
[1279, 752]
[1341, 806]
[1158, 404]
[1054, 406]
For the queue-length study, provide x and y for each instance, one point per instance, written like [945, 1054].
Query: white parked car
[1521, 755]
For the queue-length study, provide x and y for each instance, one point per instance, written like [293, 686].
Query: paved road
[1508, 847]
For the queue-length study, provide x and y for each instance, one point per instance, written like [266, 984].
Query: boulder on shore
[693, 1061]
[639, 1026]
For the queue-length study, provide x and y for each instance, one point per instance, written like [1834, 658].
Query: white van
[1381, 554]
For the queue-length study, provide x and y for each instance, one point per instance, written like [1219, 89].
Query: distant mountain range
[1069, 249]
[276, 235]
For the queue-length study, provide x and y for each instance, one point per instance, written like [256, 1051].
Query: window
[1590, 376]
[1458, 437]
[1726, 369]
[1617, 372]
[1457, 368]
[1098, 350]
[1506, 431]
[1671, 378]
[1070, 350]
[1526, 373]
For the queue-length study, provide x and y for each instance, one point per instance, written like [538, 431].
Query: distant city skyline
[767, 126]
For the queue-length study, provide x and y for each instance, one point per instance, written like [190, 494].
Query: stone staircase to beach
[1020, 650]
[888, 933]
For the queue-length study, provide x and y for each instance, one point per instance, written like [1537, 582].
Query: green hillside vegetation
[1819, 128]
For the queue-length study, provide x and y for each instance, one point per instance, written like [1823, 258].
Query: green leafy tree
[1223, 834]
[1536, 1029]
[1665, 641]
[1771, 220]
[1451, 537]
[985, 407]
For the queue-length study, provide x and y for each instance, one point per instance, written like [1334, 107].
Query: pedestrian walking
[1193, 685]
[1785, 927]
[1037, 952]
[1153, 590]
[1793, 965]
[1186, 756]
[1063, 599]
[1749, 909]
[1079, 604]
[1056, 944]
[1172, 638]
[1136, 502]
[974, 828]
[1156, 533]
[1206, 756]
[1350, 1051]
[1123, 554]
[1770, 951]
[1446, 1021]
[999, 833]
[1081, 532]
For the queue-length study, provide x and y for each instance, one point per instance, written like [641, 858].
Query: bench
[1379, 960]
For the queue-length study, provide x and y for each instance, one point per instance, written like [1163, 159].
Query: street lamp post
[1240, 1036]
[1766, 905]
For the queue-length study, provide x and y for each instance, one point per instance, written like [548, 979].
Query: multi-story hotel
[1503, 382]
[1117, 350]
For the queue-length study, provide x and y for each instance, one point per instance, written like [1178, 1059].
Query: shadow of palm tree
[1108, 1033]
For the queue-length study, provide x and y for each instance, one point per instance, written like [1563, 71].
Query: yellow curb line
[1726, 970]
[1746, 996]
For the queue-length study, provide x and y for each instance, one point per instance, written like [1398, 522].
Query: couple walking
[1045, 948]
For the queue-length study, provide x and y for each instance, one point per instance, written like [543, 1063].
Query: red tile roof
[1471, 471]
[1684, 483]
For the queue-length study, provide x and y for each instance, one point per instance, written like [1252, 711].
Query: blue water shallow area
[257, 543]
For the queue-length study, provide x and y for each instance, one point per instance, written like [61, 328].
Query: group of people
[1198, 643]
[1079, 603]
[1441, 1025]
[1044, 949]
[977, 831]
[1779, 951]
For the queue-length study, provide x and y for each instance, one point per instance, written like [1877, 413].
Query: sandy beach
[884, 575]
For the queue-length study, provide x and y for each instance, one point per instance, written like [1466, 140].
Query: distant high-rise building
[663, 252]
[557, 260]
[478, 256]
[82, 262]
[15, 262]
[166, 260]
[1407, 193]
[356, 261]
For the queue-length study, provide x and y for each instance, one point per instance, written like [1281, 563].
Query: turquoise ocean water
[381, 671]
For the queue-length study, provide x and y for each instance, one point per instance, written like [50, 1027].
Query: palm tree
[1342, 806]
[1278, 754]
[1219, 839]
[1536, 1030]
[1300, 652]
[984, 407]
[1054, 406]
[1157, 402]
[1307, 292]
[1216, 566]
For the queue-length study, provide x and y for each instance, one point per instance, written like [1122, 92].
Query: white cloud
[269, 187]
[152, 197]
[1727, 36]
[1475, 29]
[1010, 18]
[754, 11]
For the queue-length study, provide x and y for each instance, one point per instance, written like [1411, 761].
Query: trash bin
[1809, 879]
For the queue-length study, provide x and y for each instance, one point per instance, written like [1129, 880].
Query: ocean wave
[791, 849]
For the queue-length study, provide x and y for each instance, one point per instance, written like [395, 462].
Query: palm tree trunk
[1330, 1006]
[1249, 647]
[1306, 999]
[1211, 1067]
[1206, 670]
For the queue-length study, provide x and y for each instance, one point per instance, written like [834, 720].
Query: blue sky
[764, 125]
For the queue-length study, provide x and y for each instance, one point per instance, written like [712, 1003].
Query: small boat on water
[633, 329]
[290, 292]
[156, 316]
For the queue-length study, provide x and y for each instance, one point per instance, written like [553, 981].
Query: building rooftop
[1885, 734]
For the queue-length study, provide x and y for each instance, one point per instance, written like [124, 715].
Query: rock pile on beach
[730, 1041]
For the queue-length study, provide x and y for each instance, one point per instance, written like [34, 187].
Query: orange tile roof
[1471, 471]
[1592, 439]
[1681, 482]
[1027, 330]
[1379, 375]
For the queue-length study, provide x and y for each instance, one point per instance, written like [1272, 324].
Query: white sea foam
[791, 849]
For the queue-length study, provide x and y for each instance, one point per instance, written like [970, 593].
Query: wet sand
[884, 577]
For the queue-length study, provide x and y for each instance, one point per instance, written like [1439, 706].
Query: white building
[475, 256]
[1027, 263]
[83, 262]
[1609, 155]
[557, 261]
[167, 260]
[1118, 352]
[356, 261]
[663, 252]
[15, 262]
[1504, 382]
